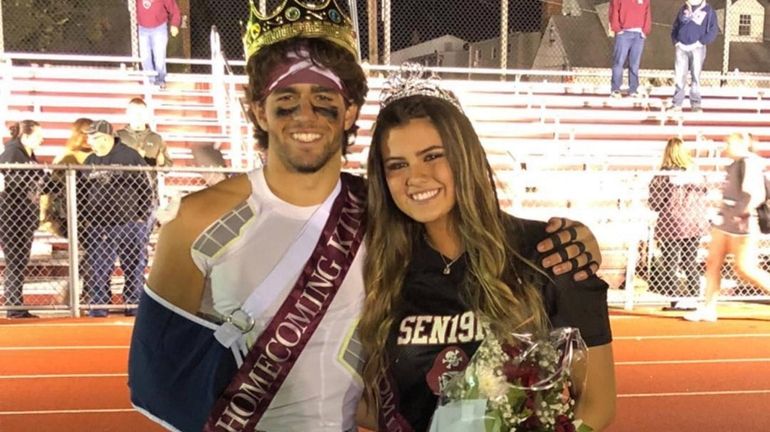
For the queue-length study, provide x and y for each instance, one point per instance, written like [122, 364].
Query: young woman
[680, 201]
[442, 258]
[737, 230]
[75, 152]
[19, 209]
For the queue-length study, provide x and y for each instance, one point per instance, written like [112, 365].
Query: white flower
[491, 384]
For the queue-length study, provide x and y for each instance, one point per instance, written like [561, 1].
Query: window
[744, 25]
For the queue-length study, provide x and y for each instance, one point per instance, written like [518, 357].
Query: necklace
[447, 264]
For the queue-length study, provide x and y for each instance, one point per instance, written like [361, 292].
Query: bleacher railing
[227, 87]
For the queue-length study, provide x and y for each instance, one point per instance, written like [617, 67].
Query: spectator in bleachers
[630, 22]
[736, 230]
[695, 27]
[153, 18]
[116, 209]
[20, 191]
[679, 198]
[138, 135]
[54, 204]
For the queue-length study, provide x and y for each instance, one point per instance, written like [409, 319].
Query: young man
[138, 135]
[630, 21]
[153, 18]
[263, 271]
[116, 206]
[695, 26]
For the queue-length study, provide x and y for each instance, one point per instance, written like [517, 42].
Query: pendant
[447, 270]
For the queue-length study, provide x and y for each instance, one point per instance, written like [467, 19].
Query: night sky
[412, 21]
[472, 20]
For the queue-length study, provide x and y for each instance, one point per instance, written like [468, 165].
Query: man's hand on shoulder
[570, 247]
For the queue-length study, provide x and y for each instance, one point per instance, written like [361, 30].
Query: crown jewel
[299, 18]
[413, 80]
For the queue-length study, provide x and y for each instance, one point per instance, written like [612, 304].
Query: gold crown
[298, 18]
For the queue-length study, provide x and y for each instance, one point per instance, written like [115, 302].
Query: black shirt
[116, 197]
[20, 197]
[435, 333]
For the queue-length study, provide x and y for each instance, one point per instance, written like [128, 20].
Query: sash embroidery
[390, 419]
[277, 349]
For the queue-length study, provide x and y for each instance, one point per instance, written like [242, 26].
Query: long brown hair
[675, 156]
[500, 283]
[323, 53]
[78, 140]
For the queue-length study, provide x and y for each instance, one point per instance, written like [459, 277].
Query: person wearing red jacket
[630, 22]
[153, 18]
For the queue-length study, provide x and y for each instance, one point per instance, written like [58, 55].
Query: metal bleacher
[557, 148]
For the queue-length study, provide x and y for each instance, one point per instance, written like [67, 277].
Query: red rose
[524, 374]
[511, 350]
[529, 402]
[564, 424]
[530, 424]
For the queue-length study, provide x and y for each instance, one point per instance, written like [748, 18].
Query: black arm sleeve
[582, 305]
[568, 303]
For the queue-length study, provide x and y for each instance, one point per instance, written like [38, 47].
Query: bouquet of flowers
[517, 385]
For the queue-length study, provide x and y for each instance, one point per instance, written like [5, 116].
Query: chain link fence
[94, 27]
[653, 229]
[115, 212]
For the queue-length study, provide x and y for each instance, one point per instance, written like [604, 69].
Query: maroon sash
[389, 416]
[265, 368]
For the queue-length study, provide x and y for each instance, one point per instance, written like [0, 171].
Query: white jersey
[235, 254]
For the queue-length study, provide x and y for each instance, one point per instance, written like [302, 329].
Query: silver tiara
[412, 80]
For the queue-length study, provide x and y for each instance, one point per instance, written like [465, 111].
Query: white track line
[678, 362]
[704, 393]
[694, 336]
[63, 347]
[54, 376]
[83, 411]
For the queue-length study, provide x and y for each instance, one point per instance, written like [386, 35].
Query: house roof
[584, 40]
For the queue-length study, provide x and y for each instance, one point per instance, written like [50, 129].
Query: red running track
[70, 374]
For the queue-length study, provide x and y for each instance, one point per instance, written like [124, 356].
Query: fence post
[72, 238]
[633, 213]
[386, 32]
[503, 37]
[374, 56]
[134, 29]
[354, 17]
[726, 50]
